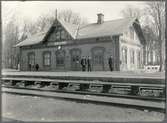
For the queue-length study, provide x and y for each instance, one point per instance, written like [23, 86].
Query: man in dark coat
[37, 67]
[110, 62]
[83, 63]
[89, 63]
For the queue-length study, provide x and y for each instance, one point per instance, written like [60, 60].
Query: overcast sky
[31, 10]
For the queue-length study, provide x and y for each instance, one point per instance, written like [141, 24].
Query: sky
[31, 10]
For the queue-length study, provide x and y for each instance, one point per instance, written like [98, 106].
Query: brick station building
[61, 47]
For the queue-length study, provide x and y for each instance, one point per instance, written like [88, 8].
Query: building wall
[131, 44]
[86, 50]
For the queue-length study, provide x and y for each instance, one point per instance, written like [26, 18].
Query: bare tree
[11, 34]
[44, 21]
[156, 11]
[131, 11]
[151, 45]
[71, 17]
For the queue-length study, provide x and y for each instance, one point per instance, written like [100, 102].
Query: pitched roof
[34, 39]
[108, 28]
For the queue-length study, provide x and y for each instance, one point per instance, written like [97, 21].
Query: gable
[133, 34]
[58, 33]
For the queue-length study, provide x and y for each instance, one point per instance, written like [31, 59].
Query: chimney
[100, 18]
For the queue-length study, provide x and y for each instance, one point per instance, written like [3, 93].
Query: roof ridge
[109, 21]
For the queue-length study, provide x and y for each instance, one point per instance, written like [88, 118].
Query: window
[47, 58]
[132, 55]
[63, 35]
[138, 59]
[60, 58]
[57, 36]
[124, 55]
[98, 54]
[31, 58]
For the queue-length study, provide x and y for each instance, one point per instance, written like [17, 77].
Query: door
[98, 58]
[75, 59]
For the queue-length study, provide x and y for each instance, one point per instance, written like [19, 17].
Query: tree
[131, 11]
[45, 21]
[151, 45]
[11, 34]
[71, 17]
[156, 10]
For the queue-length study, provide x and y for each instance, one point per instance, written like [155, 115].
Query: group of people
[86, 63]
[31, 67]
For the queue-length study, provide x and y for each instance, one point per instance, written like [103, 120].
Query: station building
[62, 46]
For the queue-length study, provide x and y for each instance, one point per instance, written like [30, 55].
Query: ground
[28, 108]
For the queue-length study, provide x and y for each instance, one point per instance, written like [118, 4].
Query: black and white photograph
[83, 61]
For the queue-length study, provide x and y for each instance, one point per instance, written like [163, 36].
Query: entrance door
[98, 58]
[75, 59]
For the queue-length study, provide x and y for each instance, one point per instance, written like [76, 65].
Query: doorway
[75, 59]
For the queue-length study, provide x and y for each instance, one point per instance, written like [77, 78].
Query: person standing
[110, 62]
[83, 63]
[89, 63]
[18, 66]
[37, 67]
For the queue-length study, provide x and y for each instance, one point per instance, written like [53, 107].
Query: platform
[137, 77]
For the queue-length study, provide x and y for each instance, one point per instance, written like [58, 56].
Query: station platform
[118, 76]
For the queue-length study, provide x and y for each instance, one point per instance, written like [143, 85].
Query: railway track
[117, 101]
